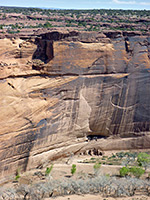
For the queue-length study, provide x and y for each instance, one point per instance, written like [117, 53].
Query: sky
[80, 4]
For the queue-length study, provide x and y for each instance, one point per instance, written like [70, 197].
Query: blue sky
[80, 4]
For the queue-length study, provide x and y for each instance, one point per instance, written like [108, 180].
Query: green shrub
[107, 175]
[17, 175]
[124, 171]
[143, 160]
[120, 155]
[47, 25]
[92, 158]
[96, 168]
[137, 171]
[48, 170]
[73, 169]
[113, 156]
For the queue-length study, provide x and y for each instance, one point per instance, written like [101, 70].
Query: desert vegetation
[123, 158]
[32, 19]
[73, 169]
[48, 170]
[108, 186]
[131, 179]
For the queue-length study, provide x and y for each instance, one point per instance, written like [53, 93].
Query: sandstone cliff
[60, 88]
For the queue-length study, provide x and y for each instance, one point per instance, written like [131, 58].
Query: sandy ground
[99, 197]
[61, 169]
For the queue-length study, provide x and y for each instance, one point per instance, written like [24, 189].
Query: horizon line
[47, 8]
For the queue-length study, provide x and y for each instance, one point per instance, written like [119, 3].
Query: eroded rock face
[84, 87]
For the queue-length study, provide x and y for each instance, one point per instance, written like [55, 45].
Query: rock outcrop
[62, 87]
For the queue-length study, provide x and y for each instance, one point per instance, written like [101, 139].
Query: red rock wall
[83, 84]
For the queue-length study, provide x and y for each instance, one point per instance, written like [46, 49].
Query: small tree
[124, 171]
[73, 169]
[17, 174]
[137, 171]
[143, 160]
[48, 170]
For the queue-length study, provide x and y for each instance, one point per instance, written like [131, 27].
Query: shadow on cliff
[25, 142]
[44, 51]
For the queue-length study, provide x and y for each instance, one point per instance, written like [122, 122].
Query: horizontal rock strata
[60, 88]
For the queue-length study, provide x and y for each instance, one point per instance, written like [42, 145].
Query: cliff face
[64, 87]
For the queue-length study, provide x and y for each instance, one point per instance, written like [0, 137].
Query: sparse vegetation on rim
[84, 20]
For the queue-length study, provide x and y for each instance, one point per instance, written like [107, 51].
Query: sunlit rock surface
[60, 88]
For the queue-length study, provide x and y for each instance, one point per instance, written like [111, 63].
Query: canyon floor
[62, 171]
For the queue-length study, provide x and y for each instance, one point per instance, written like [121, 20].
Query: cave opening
[96, 137]
[44, 51]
